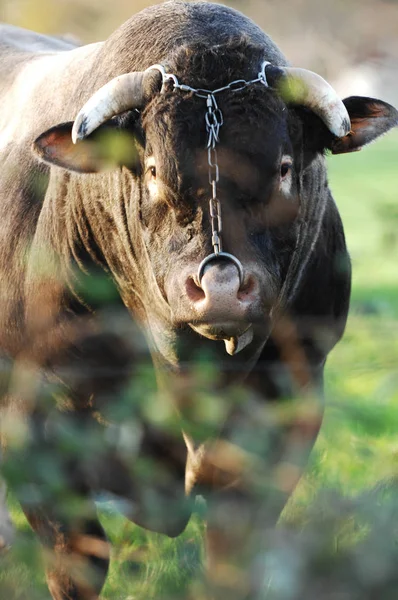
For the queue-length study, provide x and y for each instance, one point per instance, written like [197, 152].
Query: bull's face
[266, 164]
[258, 195]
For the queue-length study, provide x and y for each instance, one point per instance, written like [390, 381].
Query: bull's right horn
[306, 88]
[123, 93]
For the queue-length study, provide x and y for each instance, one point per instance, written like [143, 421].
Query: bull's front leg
[53, 488]
[76, 551]
[254, 470]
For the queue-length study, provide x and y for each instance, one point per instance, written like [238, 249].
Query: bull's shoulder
[321, 302]
[318, 311]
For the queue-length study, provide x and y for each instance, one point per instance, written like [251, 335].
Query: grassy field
[338, 536]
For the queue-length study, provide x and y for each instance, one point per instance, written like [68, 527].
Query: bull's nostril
[194, 291]
[248, 286]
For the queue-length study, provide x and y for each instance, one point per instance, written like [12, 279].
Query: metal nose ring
[223, 256]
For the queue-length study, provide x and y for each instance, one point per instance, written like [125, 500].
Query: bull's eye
[152, 172]
[286, 180]
[286, 167]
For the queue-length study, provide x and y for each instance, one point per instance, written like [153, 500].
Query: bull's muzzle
[222, 298]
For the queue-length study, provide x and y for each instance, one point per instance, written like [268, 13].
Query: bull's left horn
[306, 88]
[123, 93]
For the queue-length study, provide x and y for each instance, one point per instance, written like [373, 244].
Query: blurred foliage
[337, 538]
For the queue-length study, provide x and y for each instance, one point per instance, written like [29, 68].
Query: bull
[184, 158]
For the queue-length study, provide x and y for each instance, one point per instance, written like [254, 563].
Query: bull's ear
[370, 118]
[107, 148]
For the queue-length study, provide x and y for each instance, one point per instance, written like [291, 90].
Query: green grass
[362, 372]
[349, 491]
[343, 512]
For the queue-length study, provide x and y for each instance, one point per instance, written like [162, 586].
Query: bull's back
[19, 46]
[23, 40]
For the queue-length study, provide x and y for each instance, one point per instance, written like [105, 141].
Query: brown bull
[110, 155]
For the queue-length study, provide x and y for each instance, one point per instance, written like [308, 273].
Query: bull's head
[268, 167]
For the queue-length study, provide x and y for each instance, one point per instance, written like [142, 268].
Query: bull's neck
[89, 223]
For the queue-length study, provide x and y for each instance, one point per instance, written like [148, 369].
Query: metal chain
[214, 120]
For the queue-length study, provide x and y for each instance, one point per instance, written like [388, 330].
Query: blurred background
[354, 43]
[338, 537]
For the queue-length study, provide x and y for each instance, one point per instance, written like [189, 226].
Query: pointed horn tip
[346, 127]
[79, 130]
[75, 137]
[342, 129]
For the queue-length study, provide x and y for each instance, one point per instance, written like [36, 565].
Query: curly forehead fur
[217, 65]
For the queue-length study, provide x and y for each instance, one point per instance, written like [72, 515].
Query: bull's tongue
[235, 344]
